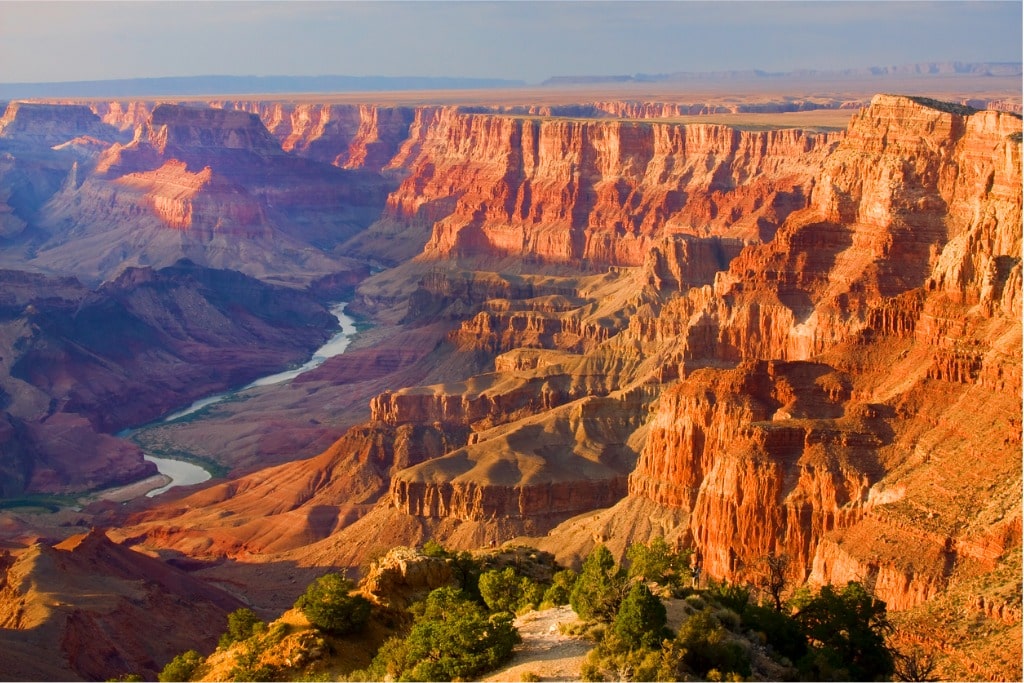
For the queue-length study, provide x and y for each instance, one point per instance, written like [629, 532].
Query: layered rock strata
[212, 185]
[47, 125]
[597, 192]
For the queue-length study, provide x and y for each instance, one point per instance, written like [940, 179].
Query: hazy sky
[84, 40]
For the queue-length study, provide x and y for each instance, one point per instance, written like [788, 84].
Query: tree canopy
[599, 588]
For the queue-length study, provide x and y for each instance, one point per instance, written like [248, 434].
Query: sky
[45, 41]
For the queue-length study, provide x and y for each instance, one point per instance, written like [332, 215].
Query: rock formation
[139, 612]
[48, 125]
[212, 185]
[598, 192]
[598, 329]
[877, 281]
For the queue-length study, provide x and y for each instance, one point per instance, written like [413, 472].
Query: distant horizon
[861, 70]
[964, 78]
[74, 42]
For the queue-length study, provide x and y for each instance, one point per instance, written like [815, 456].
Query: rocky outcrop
[48, 125]
[200, 137]
[455, 294]
[906, 255]
[123, 115]
[353, 136]
[765, 458]
[404, 576]
[185, 200]
[497, 332]
[139, 613]
[212, 185]
[533, 473]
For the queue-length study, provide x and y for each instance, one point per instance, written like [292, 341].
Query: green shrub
[248, 666]
[560, 589]
[599, 588]
[729, 595]
[452, 638]
[727, 618]
[533, 594]
[615, 660]
[846, 630]
[329, 605]
[656, 561]
[502, 591]
[181, 668]
[695, 601]
[467, 572]
[703, 645]
[782, 632]
[507, 591]
[467, 569]
[242, 625]
[434, 549]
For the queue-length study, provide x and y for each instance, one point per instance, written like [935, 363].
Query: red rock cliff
[598, 191]
[902, 279]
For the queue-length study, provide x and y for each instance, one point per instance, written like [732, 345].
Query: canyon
[580, 322]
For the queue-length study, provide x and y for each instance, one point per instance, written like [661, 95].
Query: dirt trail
[544, 651]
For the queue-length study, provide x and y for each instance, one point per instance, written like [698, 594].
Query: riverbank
[136, 489]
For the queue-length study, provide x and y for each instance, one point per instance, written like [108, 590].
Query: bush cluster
[242, 625]
[453, 637]
[834, 634]
[507, 591]
[329, 605]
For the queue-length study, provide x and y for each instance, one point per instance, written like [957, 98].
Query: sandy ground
[544, 650]
[134, 490]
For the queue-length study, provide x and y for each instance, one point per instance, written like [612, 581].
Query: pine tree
[598, 590]
[641, 619]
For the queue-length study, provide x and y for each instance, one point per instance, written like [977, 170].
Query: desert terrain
[752, 318]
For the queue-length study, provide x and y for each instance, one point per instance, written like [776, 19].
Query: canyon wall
[478, 183]
[773, 378]
[211, 185]
[901, 280]
[598, 192]
[139, 611]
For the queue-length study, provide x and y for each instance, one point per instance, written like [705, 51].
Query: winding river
[184, 473]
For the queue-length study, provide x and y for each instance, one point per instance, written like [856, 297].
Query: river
[184, 473]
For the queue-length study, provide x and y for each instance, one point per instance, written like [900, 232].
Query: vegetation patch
[464, 631]
[948, 107]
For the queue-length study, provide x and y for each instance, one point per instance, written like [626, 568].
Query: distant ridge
[242, 85]
[925, 69]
